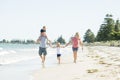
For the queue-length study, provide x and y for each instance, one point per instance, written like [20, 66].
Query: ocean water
[13, 53]
[18, 61]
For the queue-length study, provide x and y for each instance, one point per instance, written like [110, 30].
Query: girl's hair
[58, 44]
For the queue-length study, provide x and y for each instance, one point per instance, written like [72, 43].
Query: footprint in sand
[77, 78]
[102, 75]
[101, 62]
[92, 70]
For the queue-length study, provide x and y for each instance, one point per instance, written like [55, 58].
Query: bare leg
[43, 59]
[58, 60]
[75, 56]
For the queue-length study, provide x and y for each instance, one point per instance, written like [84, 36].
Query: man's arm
[38, 40]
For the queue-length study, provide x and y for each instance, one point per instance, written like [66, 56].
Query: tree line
[109, 30]
[14, 41]
[18, 41]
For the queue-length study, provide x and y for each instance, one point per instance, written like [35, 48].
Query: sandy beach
[94, 63]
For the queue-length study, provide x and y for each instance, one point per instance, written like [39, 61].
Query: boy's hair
[42, 30]
[44, 26]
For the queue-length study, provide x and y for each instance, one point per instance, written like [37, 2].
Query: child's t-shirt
[58, 50]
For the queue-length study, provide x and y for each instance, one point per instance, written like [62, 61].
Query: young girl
[58, 47]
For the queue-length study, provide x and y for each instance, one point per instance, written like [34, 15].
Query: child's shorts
[58, 55]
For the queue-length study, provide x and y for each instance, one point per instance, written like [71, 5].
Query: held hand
[63, 46]
[37, 41]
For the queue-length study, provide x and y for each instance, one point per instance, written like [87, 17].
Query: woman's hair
[77, 35]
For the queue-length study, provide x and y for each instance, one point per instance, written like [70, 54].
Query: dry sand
[94, 63]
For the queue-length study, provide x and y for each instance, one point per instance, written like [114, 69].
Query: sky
[23, 19]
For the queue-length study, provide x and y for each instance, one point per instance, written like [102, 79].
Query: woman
[76, 41]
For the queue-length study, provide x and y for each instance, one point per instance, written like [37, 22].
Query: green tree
[100, 34]
[89, 36]
[116, 35]
[61, 40]
[15, 41]
[116, 32]
[4, 40]
[106, 30]
[117, 26]
[30, 41]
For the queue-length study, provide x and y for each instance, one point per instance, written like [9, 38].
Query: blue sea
[17, 61]
[13, 53]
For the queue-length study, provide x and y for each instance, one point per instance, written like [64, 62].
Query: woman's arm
[81, 43]
[67, 43]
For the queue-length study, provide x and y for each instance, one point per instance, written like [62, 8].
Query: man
[42, 48]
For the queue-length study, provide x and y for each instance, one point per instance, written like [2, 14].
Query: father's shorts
[42, 51]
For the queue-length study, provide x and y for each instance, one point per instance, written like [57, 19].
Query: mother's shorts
[75, 49]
